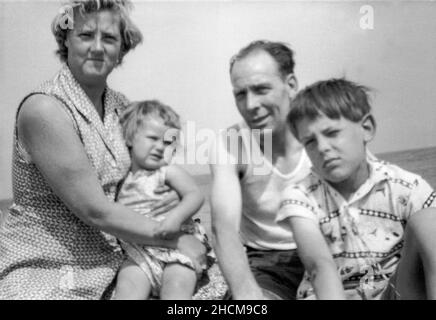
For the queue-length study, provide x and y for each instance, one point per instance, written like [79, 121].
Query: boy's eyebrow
[330, 128]
[304, 138]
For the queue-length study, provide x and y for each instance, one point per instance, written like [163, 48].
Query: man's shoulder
[228, 147]
[235, 128]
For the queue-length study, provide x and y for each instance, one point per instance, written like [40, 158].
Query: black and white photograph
[217, 150]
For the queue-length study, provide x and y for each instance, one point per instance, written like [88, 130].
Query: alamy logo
[66, 20]
[367, 19]
[227, 146]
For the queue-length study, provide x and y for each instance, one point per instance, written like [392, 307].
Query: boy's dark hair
[133, 117]
[333, 98]
[279, 51]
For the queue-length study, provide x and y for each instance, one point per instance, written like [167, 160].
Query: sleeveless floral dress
[46, 252]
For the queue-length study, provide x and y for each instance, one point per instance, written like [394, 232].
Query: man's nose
[253, 101]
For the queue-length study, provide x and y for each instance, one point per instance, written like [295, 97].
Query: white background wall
[184, 59]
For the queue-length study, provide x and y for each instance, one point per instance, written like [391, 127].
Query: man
[257, 257]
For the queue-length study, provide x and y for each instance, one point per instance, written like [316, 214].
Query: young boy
[349, 215]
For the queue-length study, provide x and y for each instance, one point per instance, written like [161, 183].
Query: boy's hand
[168, 229]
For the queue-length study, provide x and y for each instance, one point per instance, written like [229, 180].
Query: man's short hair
[279, 51]
[333, 98]
[137, 112]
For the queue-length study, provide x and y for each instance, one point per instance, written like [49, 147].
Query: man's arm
[226, 205]
[317, 259]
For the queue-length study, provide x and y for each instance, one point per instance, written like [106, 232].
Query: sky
[183, 61]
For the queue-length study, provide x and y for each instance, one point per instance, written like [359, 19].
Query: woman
[58, 240]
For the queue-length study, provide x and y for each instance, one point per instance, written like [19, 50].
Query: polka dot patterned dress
[46, 252]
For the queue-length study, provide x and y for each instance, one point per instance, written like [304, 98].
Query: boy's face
[336, 148]
[152, 145]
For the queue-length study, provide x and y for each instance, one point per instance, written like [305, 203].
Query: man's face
[261, 94]
[336, 148]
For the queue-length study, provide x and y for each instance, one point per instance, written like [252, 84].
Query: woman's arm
[317, 259]
[48, 135]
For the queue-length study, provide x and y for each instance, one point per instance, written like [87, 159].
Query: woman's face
[94, 46]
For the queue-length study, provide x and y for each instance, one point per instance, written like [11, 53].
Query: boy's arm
[317, 259]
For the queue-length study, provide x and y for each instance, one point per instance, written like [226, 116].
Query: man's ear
[292, 84]
[368, 127]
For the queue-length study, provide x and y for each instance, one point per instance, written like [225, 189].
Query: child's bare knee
[178, 282]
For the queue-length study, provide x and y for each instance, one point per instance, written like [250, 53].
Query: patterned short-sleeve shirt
[365, 233]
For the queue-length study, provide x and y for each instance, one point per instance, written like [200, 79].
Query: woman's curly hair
[131, 36]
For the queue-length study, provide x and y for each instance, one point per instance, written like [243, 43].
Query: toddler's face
[336, 148]
[152, 145]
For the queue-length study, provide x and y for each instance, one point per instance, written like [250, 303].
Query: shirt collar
[378, 172]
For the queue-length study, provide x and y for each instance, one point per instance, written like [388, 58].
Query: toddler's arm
[191, 201]
[317, 259]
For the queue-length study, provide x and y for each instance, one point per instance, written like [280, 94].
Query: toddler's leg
[178, 282]
[416, 274]
[132, 283]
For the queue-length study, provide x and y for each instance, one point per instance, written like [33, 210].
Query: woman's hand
[168, 228]
[170, 201]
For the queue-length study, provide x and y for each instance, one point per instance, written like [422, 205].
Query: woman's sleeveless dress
[46, 252]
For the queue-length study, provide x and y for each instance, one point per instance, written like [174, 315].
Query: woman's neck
[95, 94]
[94, 89]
